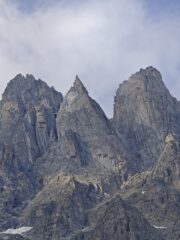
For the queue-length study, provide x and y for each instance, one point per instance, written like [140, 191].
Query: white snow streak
[159, 227]
[19, 231]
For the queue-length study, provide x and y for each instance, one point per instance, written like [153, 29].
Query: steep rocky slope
[61, 207]
[68, 172]
[156, 192]
[27, 125]
[72, 208]
[144, 113]
[117, 220]
[87, 142]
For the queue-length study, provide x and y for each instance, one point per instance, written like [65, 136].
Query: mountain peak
[144, 107]
[21, 77]
[149, 69]
[26, 91]
[77, 81]
[149, 73]
[18, 76]
[20, 81]
[79, 86]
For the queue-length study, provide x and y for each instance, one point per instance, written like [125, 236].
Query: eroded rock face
[62, 162]
[156, 192]
[117, 220]
[30, 106]
[77, 208]
[61, 207]
[27, 125]
[86, 138]
[83, 117]
[144, 113]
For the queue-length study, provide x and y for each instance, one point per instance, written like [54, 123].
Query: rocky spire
[78, 84]
[78, 87]
[144, 112]
[23, 96]
[86, 129]
[144, 96]
[27, 125]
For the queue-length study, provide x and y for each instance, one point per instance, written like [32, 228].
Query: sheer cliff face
[86, 138]
[82, 114]
[27, 125]
[84, 118]
[28, 110]
[144, 112]
[156, 192]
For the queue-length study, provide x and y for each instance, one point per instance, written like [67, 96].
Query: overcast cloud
[103, 41]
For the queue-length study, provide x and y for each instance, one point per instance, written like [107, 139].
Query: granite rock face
[87, 142]
[144, 113]
[61, 208]
[67, 172]
[29, 105]
[27, 126]
[76, 208]
[117, 220]
[156, 192]
[82, 116]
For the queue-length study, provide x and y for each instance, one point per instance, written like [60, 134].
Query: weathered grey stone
[61, 207]
[116, 220]
[144, 113]
[27, 126]
[86, 138]
[77, 208]
[70, 173]
[156, 192]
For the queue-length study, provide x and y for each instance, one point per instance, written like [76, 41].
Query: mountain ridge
[69, 172]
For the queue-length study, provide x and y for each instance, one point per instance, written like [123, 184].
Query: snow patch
[106, 195]
[85, 229]
[159, 227]
[19, 231]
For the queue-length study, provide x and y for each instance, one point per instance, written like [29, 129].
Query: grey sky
[100, 40]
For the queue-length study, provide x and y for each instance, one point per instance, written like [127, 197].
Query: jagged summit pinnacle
[20, 77]
[145, 111]
[78, 86]
[77, 80]
[24, 80]
[27, 90]
[147, 73]
[149, 69]
[145, 80]
[20, 82]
